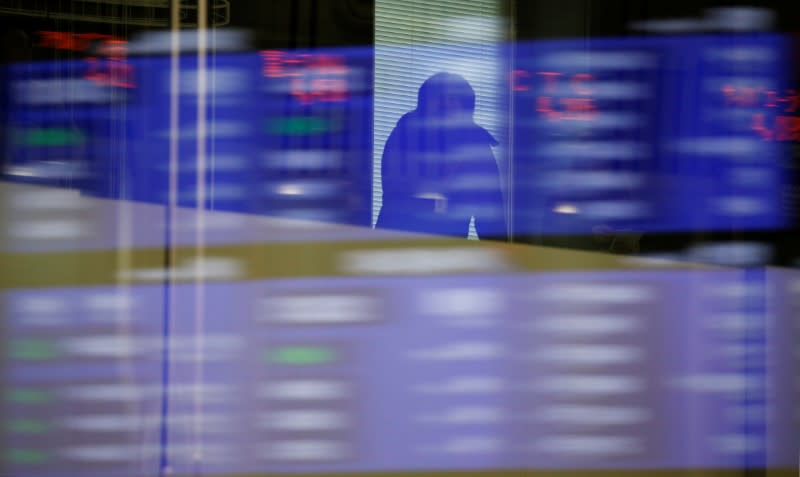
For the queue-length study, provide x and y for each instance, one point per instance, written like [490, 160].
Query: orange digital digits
[107, 64]
[784, 125]
[561, 97]
[69, 41]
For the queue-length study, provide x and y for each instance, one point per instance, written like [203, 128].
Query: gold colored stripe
[257, 261]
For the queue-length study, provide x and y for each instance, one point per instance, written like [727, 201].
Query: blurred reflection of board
[480, 371]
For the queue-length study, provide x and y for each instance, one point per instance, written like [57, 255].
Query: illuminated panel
[230, 85]
[572, 370]
[59, 120]
[288, 133]
[650, 134]
[64, 406]
[315, 137]
[585, 136]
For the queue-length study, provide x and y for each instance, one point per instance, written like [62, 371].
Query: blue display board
[228, 126]
[655, 134]
[650, 134]
[286, 134]
[57, 124]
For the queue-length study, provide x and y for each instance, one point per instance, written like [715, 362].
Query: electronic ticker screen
[659, 134]
[284, 133]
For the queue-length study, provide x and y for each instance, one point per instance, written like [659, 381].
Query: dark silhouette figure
[438, 167]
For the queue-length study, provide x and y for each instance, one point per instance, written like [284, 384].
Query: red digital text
[312, 77]
[559, 96]
[776, 118]
[106, 58]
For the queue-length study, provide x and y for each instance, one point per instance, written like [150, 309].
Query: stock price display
[652, 134]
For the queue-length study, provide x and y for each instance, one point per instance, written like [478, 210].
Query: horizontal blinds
[415, 39]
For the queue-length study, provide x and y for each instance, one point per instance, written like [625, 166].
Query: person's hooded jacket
[438, 168]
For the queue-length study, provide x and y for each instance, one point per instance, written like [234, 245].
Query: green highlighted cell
[28, 396]
[50, 137]
[301, 355]
[25, 456]
[28, 426]
[300, 126]
[32, 350]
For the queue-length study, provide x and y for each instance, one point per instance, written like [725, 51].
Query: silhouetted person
[438, 168]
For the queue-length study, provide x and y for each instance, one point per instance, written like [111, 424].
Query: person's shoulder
[483, 136]
[403, 124]
[407, 118]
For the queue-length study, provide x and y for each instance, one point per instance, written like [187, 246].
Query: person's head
[446, 95]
